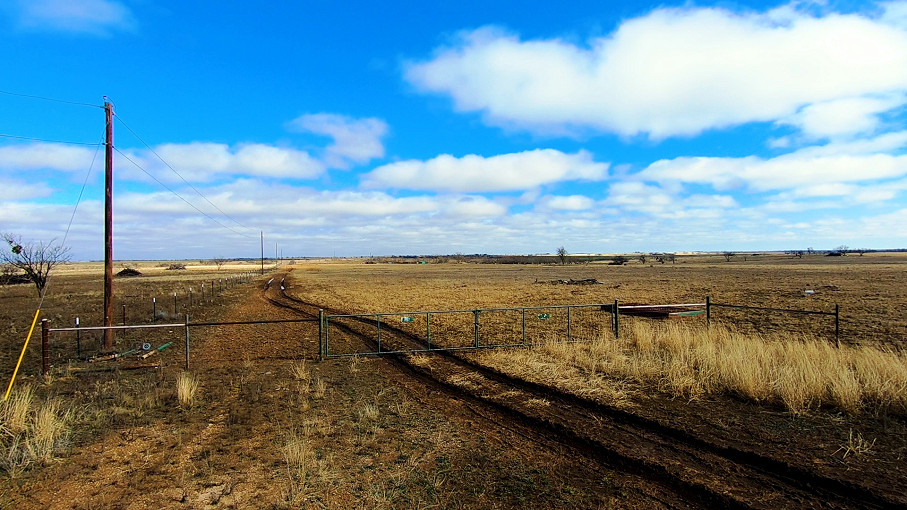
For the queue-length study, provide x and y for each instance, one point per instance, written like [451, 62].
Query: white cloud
[640, 197]
[56, 156]
[97, 17]
[355, 140]
[566, 203]
[843, 117]
[472, 207]
[201, 162]
[249, 200]
[12, 189]
[196, 162]
[473, 173]
[676, 72]
[806, 168]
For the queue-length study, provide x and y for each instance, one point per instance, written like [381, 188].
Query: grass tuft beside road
[796, 371]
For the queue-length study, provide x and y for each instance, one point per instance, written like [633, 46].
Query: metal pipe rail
[325, 322]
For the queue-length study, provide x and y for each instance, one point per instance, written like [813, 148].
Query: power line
[74, 209]
[199, 193]
[178, 195]
[52, 99]
[44, 139]
[82, 191]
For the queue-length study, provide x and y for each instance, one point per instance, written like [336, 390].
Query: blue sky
[366, 128]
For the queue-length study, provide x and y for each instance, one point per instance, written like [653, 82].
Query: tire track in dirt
[695, 470]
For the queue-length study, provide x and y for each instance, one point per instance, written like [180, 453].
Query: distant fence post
[78, 340]
[378, 322]
[708, 311]
[524, 325]
[569, 308]
[320, 334]
[124, 314]
[45, 348]
[616, 320]
[187, 341]
[428, 329]
[837, 325]
[175, 312]
[153, 309]
[476, 327]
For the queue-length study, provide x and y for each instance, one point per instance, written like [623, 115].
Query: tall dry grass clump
[799, 372]
[30, 431]
[186, 388]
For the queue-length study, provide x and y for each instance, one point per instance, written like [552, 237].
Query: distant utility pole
[108, 227]
[262, 252]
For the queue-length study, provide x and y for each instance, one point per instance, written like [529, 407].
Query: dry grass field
[258, 421]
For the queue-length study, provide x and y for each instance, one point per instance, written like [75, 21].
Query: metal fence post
[476, 327]
[320, 334]
[616, 320]
[175, 312]
[379, 332]
[837, 325]
[153, 309]
[708, 311]
[187, 341]
[327, 335]
[78, 340]
[569, 308]
[45, 348]
[124, 314]
[524, 325]
[428, 329]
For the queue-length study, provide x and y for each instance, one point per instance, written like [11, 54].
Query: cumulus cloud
[356, 141]
[566, 202]
[95, 17]
[14, 189]
[824, 166]
[253, 201]
[680, 71]
[843, 117]
[202, 161]
[474, 173]
[56, 156]
[640, 197]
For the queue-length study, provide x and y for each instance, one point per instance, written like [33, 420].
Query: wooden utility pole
[108, 228]
[262, 252]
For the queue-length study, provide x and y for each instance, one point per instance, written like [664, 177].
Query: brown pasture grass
[797, 372]
[766, 357]
[186, 388]
[327, 452]
[868, 289]
[30, 431]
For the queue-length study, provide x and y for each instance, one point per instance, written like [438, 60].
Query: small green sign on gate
[544, 316]
[406, 319]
